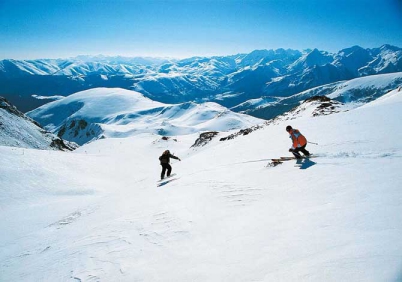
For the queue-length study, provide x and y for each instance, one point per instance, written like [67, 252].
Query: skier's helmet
[288, 128]
[166, 152]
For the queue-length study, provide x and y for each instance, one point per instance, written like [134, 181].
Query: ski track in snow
[369, 155]
[233, 194]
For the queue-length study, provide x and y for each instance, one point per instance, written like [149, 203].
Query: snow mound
[104, 112]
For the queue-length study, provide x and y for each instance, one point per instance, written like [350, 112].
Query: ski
[167, 177]
[166, 182]
[280, 160]
[274, 162]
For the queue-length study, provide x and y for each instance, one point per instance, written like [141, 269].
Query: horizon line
[305, 50]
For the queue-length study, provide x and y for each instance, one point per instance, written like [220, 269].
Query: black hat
[288, 128]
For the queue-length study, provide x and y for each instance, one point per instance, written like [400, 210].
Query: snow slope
[104, 112]
[18, 130]
[354, 92]
[361, 89]
[97, 215]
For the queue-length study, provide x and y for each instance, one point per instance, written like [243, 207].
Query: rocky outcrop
[314, 106]
[204, 138]
[242, 132]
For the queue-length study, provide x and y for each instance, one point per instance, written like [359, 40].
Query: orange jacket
[298, 139]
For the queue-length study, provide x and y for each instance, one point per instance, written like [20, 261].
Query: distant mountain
[355, 91]
[227, 80]
[18, 130]
[146, 61]
[105, 112]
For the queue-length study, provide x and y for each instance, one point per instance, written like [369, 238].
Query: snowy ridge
[363, 89]
[18, 130]
[104, 112]
[313, 107]
[354, 92]
[392, 98]
[96, 213]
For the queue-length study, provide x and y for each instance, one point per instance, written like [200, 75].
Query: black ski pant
[296, 152]
[164, 168]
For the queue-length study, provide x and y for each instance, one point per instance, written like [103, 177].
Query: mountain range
[227, 80]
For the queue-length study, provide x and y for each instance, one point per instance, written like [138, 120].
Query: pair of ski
[275, 162]
[166, 180]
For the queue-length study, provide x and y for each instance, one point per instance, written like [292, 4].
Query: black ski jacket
[165, 159]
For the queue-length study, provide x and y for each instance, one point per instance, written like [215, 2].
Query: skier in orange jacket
[299, 142]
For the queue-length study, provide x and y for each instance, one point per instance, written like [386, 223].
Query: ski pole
[312, 143]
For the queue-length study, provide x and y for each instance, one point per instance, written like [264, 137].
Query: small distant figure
[399, 89]
[299, 142]
[165, 160]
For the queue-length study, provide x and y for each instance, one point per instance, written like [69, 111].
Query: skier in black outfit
[165, 160]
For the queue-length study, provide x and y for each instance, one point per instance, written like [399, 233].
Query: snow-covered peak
[262, 57]
[390, 48]
[311, 59]
[352, 50]
[256, 57]
[386, 59]
[353, 58]
[145, 61]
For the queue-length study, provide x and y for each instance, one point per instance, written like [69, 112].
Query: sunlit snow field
[96, 214]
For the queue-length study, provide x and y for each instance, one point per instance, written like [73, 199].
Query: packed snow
[96, 214]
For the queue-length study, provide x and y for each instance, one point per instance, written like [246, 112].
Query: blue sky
[31, 29]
